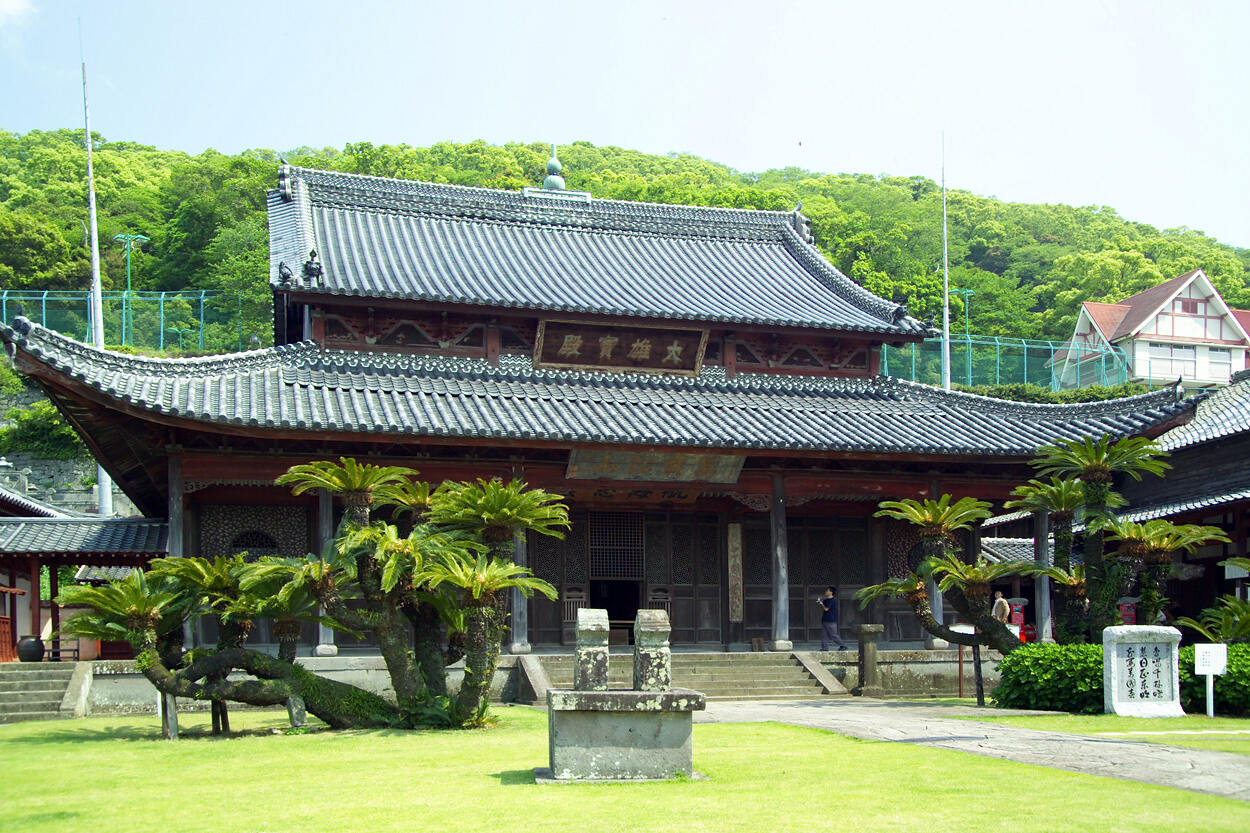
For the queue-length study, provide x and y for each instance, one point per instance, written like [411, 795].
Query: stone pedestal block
[621, 735]
[1140, 671]
[590, 664]
[653, 660]
[869, 671]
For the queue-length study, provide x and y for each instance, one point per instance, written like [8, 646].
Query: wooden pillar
[325, 537]
[54, 590]
[520, 623]
[169, 705]
[12, 601]
[1041, 584]
[781, 568]
[32, 567]
[175, 506]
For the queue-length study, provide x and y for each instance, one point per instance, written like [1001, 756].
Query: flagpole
[104, 484]
[946, 284]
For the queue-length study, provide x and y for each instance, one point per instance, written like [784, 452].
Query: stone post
[590, 665]
[653, 660]
[869, 671]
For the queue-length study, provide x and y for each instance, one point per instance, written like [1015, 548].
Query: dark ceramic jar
[30, 649]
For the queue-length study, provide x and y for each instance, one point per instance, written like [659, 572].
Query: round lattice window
[254, 543]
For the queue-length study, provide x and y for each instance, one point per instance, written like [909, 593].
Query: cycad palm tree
[133, 608]
[1152, 544]
[482, 581]
[1095, 463]
[938, 519]
[496, 511]
[1226, 621]
[361, 485]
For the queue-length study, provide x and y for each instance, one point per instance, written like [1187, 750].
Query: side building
[700, 383]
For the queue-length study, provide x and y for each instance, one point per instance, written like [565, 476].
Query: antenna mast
[104, 484]
[946, 284]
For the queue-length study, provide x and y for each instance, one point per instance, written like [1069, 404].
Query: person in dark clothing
[829, 620]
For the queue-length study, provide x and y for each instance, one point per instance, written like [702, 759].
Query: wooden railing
[7, 652]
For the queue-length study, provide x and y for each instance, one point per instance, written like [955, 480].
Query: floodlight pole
[946, 284]
[967, 296]
[128, 240]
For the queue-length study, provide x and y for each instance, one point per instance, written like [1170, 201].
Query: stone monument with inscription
[601, 734]
[1140, 671]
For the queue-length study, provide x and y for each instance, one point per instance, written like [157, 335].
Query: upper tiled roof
[1222, 414]
[83, 536]
[12, 503]
[389, 238]
[306, 388]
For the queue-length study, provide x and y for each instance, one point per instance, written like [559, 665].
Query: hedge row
[1068, 678]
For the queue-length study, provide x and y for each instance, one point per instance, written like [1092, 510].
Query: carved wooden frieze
[653, 466]
[573, 345]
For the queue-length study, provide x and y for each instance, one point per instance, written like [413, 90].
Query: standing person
[1002, 608]
[829, 620]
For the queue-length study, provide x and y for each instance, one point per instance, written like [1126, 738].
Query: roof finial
[553, 182]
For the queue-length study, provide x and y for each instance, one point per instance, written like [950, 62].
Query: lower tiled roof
[1186, 505]
[1222, 414]
[306, 388]
[83, 536]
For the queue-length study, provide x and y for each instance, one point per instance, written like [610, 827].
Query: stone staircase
[720, 676]
[33, 690]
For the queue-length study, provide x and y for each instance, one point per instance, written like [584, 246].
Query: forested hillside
[1029, 266]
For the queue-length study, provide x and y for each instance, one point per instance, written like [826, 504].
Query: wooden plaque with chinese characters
[572, 345]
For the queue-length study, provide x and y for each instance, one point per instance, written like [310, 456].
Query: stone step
[8, 687]
[36, 671]
[24, 704]
[18, 717]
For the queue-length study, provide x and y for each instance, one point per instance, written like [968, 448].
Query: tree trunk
[1102, 589]
[280, 683]
[485, 630]
[1153, 581]
[427, 630]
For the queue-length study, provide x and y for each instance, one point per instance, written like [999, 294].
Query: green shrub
[42, 431]
[1232, 688]
[1033, 393]
[1068, 678]
[1062, 678]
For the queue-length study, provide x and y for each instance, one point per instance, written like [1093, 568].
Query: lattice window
[709, 572]
[255, 543]
[756, 556]
[683, 555]
[821, 546]
[575, 557]
[853, 557]
[657, 553]
[544, 553]
[616, 545]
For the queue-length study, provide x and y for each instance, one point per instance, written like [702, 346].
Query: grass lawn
[1175, 731]
[115, 775]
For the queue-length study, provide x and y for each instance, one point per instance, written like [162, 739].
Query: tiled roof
[997, 550]
[1224, 413]
[306, 388]
[451, 244]
[1106, 317]
[1145, 304]
[90, 572]
[1243, 318]
[1194, 503]
[83, 536]
[12, 503]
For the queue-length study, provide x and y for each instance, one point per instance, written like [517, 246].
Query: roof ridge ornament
[554, 182]
[284, 182]
[313, 270]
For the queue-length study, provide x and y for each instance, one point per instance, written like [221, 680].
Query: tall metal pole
[946, 284]
[128, 327]
[104, 483]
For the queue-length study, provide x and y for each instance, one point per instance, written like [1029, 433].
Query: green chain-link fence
[991, 360]
[198, 320]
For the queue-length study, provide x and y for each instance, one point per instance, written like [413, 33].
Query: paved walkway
[1215, 773]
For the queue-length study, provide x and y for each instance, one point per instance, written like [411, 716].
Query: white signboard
[1139, 664]
[1210, 658]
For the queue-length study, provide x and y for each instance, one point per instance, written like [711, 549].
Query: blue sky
[1141, 106]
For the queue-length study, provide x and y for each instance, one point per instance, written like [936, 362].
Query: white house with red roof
[1179, 329]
